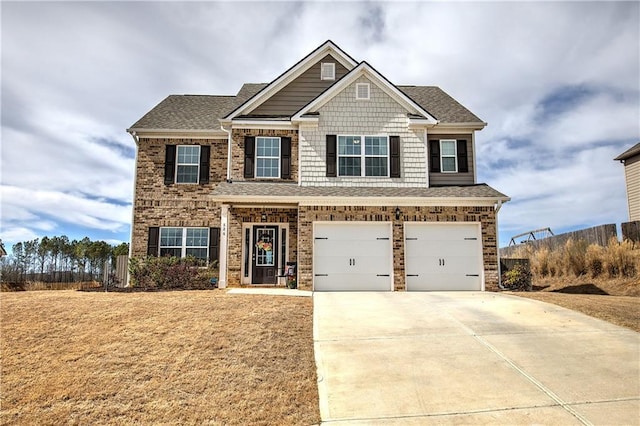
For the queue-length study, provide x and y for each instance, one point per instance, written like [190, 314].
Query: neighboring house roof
[631, 152]
[442, 106]
[292, 192]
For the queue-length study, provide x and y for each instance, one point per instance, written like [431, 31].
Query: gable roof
[193, 112]
[289, 75]
[372, 74]
[631, 152]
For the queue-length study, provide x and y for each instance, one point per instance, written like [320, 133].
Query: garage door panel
[443, 282]
[349, 232]
[448, 264]
[441, 247]
[351, 248]
[358, 265]
[351, 282]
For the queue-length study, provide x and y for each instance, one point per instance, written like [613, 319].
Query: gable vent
[327, 71]
[362, 90]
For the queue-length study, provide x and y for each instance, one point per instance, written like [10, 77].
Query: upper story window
[188, 164]
[267, 157]
[327, 71]
[183, 242]
[363, 156]
[363, 90]
[448, 156]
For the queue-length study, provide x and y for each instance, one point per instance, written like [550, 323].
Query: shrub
[540, 262]
[594, 260]
[169, 273]
[619, 260]
[517, 278]
[574, 257]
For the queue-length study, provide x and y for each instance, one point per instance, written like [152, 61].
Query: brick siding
[237, 151]
[180, 205]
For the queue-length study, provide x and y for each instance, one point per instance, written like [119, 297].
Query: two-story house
[365, 184]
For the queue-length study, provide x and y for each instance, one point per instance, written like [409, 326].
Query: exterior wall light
[398, 212]
[264, 217]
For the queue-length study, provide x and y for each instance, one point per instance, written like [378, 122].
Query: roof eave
[176, 132]
[361, 201]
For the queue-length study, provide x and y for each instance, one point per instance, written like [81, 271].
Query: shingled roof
[202, 112]
[631, 152]
[442, 106]
[292, 191]
[194, 112]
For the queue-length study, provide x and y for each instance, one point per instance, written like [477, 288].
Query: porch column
[224, 229]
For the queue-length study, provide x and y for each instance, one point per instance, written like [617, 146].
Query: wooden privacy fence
[116, 277]
[631, 231]
[596, 235]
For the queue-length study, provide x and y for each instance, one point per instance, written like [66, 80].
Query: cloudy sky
[558, 83]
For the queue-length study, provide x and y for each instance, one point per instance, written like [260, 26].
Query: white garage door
[350, 256]
[443, 256]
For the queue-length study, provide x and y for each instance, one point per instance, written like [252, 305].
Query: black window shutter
[249, 156]
[285, 158]
[332, 141]
[152, 243]
[434, 156]
[214, 244]
[394, 148]
[169, 164]
[205, 154]
[463, 166]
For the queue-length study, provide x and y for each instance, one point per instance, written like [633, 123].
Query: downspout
[136, 139]
[224, 221]
[497, 208]
[228, 132]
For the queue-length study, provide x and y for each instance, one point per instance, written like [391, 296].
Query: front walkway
[468, 357]
[270, 291]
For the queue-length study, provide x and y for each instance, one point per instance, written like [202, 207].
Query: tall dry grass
[579, 259]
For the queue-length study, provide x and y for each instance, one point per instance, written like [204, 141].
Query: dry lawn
[191, 357]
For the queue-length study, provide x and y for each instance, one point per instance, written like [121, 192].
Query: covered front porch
[260, 241]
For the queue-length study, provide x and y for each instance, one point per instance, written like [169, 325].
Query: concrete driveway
[487, 358]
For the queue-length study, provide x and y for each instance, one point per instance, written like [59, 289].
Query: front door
[265, 255]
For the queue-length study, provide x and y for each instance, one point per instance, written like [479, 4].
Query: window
[374, 156]
[183, 242]
[362, 90]
[267, 157]
[188, 164]
[327, 71]
[448, 156]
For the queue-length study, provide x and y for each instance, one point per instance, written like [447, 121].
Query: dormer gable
[415, 112]
[299, 84]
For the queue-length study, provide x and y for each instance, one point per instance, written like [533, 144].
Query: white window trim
[325, 76]
[368, 86]
[183, 247]
[255, 172]
[362, 156]
[455, 156]
[178, 163]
